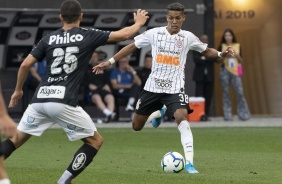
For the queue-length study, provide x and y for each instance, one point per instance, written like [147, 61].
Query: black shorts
[149, 102]
[101, 92]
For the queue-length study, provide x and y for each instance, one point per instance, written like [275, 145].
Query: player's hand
[140, 17]
[100, 67]
[17, 95]
[228, 52]
[8, 126]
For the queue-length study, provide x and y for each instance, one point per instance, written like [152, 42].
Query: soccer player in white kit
[165, 85]
[68, 51]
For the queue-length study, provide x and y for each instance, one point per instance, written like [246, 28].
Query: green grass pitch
[222, 156]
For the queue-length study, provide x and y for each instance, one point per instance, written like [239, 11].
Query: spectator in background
[8, 129]
[98, 87]
[203, 75]
[36, 74]
[126, 83]
[146, 70]
[229, 74]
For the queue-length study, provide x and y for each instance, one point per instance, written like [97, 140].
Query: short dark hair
[70, 10]
[176, 7]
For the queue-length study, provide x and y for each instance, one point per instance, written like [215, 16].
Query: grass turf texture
[222, 155]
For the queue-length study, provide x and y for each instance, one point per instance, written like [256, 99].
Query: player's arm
[140, 18]
[213, 53]
[22, 75]
[125, 51]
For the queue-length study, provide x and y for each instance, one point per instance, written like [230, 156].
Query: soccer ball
[173, 162]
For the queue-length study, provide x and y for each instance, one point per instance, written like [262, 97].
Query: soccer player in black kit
[68, 51]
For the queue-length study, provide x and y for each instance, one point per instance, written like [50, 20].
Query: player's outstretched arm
[212, 53]
[140, 18]
[125, 51]
[22, 75]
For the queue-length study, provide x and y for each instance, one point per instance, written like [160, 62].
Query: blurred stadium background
[257, 25]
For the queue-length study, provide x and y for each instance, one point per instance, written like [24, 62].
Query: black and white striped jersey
[68, 53]
[169, 54]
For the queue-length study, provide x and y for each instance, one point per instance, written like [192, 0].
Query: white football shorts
[38, 117]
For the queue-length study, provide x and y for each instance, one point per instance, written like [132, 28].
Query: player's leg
[3, 174]
[82, 158]
[180, 116]
[78, 126]
[33, 122]
[157, 116]
[179, 107]
[11, 144]
[139, 121]
[147, 104]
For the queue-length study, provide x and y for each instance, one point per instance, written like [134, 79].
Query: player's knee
[95, 141]
[99, 140]
[180, 118]
[19, 138]
[136, 126]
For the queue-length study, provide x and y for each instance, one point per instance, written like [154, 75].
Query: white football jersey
[169, 54]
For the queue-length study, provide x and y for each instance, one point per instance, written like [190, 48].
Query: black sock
[8, 148]
[82, 158]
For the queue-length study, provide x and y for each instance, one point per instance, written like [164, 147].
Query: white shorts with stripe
[38, 117]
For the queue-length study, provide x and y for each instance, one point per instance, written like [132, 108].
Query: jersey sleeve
[100, 37]
[143, 39]
[38, 51]
[196, 44]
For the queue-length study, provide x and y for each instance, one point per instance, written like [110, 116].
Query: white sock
[65, 178]
[154, 115]
[5, 181]
[186, 140]
[107, 112]
[131, 101]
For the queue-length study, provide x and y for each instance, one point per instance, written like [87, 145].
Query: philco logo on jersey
[51, 92]
[167, 59]
[65, 39]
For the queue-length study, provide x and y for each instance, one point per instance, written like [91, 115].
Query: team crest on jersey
[179, 43]
[29, 122]
[30, 119]
[79, 161]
